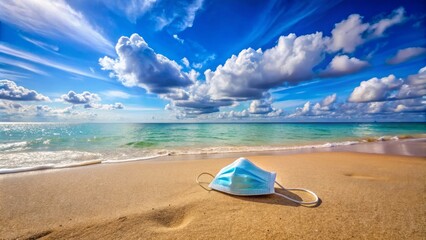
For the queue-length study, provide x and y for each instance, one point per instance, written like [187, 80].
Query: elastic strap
[297, 201]
[199, 183]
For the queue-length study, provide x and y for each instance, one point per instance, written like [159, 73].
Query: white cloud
[411, 105]
[117, 94]
[132, 9]
[406, 54]
[53, 19]
[185, 61]
[390, 88]
[81, 98]
[250, 74]
[195, 101]
[261, 106]
[414, 86]
[5, 49]
[375, 89]
[138, 65]
[342, 65]
[89, 101]
[207, 59]
[396, 17]
[10, 91]
[175, 36]
[325, 107]
[234, 114]
[10, 106]
[41, 44]
[348, 34]
[327, 101]
[22, 65]
[375, 107]
[114, 106]
[175, 15]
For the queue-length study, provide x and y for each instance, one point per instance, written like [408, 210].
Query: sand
[363, 196]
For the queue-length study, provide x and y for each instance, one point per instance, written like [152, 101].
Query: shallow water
[61, 144]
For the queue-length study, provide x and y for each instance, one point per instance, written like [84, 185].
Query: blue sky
[201, 60]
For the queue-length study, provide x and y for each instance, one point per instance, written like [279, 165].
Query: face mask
[243, 178]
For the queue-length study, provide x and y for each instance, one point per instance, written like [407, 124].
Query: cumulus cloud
[59, 21]
[234, 114]
[261, 106]
[342, 65]
[411, 105]
[390, 88]
[414, 86]
[10, 91]
[325, 107]
[406, 54]
[89, 100]
[194, 101]
[12, 111]
[138, 65]
[375, 89]
[246, 114]
[250, 74]
[114, 106]
[348, 34]
[10, 106]
[329, 100]
[80, 98]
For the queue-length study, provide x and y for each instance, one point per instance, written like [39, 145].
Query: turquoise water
[35, 144]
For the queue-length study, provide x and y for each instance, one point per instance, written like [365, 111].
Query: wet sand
[363, 196]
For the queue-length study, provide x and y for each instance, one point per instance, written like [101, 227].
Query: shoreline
[412, 146]
[363, 196]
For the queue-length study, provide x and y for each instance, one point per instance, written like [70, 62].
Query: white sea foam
[134, 159]
[45, 160]
[236, 149]
[31, 161]
[13, 146]
[25, 169]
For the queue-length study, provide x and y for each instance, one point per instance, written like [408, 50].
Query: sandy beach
[363, 196]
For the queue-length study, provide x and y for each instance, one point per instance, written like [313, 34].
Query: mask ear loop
[199, 183]
[297, 201]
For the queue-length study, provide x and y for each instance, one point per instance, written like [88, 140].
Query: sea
[32, 146]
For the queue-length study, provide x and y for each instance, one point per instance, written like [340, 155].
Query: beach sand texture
[363, 196]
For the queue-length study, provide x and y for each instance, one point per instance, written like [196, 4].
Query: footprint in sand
[38, 235]
[360, 176]
[171, 217]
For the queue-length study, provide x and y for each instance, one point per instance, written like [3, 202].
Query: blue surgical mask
[243, 178]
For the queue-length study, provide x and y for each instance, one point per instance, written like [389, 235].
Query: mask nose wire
[199, 183]
[297, 201]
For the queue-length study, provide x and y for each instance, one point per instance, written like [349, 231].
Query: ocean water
[51, 145]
